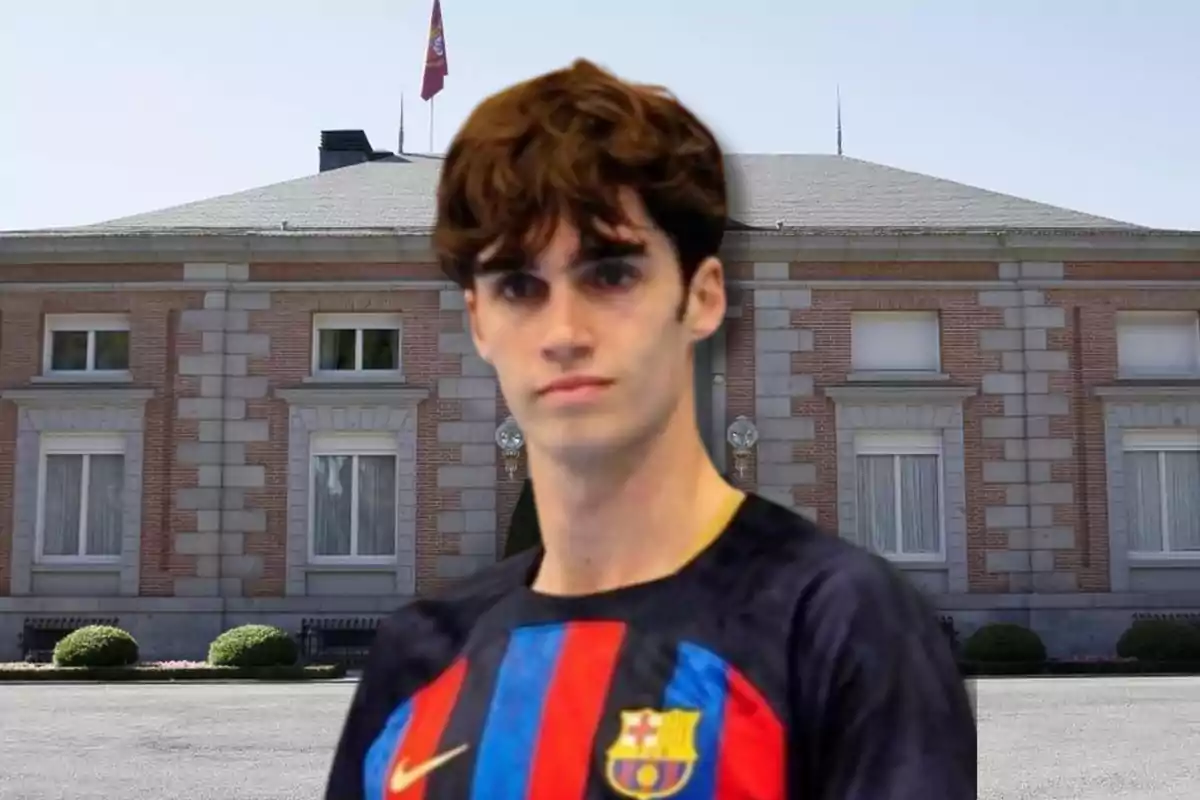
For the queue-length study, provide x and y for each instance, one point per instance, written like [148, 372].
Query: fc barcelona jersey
[780, 663]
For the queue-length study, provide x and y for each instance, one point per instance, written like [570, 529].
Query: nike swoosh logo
[403, 777]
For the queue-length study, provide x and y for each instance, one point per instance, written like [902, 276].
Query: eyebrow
[590, 251]
[604, 249]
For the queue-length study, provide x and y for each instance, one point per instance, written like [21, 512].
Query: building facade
[231, 412]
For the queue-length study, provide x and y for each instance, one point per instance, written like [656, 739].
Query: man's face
[591, 342]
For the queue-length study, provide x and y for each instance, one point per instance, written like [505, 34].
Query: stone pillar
[1050, 446]
[1034, 427]
[776, 339]
[223, 476]
[467, 441]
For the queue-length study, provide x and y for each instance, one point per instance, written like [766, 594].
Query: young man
[672, 637]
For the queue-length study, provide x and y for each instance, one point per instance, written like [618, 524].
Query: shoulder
[809, 555]
[412, 647]
[433, 627]
[868, 667]
[833, 587]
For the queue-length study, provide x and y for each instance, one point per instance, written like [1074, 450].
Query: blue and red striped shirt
[781, 663]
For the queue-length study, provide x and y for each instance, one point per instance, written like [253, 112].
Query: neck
[636, 519]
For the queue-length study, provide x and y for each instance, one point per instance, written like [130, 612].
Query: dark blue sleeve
[884, 711]
[377, 693]
[411, 647]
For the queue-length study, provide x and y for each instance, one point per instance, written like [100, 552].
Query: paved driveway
[1059, 739]
[1089, 739]
[168, 741]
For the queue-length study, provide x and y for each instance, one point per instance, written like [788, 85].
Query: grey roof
[797, 192]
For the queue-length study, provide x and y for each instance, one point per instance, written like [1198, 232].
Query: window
[899, 494]
[353, 505]
[1162, 492]
[356, 344]
[1158, 344]
[80, 483]
[86, 344]
[895, 341]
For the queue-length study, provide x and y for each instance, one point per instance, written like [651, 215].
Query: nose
[568, 332]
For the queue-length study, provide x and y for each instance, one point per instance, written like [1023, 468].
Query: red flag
[436, 68]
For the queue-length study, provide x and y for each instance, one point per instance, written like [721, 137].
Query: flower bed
[167, 671]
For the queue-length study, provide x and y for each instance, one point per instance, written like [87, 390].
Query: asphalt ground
[1040, 739]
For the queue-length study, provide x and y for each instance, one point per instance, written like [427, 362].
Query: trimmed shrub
[1004, 643]
[253, 646]
[1161, 640]
[96, 646]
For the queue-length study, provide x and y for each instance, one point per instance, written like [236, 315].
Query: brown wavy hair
[562, 146]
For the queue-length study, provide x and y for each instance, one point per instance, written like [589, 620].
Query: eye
[609, 275]
[520, 286]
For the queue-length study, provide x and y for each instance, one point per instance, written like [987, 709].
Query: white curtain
[920, 506]
[332, 505]
[917, 530]
[1183, 500]
[1143, 502]
[1150, 474]
[895, 340]
[877, 503]
[61, 504]
[376, 505]
[106, 483]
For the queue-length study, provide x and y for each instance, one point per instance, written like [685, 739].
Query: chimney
[345, 148]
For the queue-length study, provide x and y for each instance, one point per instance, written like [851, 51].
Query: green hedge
[1161, 640]
[96, 646]
[253, 646]
[1004, 643]
[149, 673]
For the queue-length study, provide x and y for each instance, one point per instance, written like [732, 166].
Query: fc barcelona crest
[654, 753]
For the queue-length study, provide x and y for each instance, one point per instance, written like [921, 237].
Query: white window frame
[906, 443]
[91, 324]
[1129, 319]
[353, 445]
[857, 318]
[73, 445]
[1162, 442]
[357, 322]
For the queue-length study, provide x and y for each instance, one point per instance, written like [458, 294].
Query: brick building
[265, 406]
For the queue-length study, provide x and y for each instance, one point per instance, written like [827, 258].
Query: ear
[471, 301]
[707, 302]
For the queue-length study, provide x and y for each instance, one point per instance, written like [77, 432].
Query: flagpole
[434, 77]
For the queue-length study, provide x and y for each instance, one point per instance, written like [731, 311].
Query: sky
[124, 106]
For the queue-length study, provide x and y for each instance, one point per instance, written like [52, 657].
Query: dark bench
[338, 640]
[40, 635]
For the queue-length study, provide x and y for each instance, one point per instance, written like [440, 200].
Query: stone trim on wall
[370, 413]
[1130, 407]
[1029, 383]
[909, 408]
[67, 410]
[220, 409]
[471, 384]
[775, 386]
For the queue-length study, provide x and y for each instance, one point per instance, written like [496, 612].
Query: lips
[573, 384]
